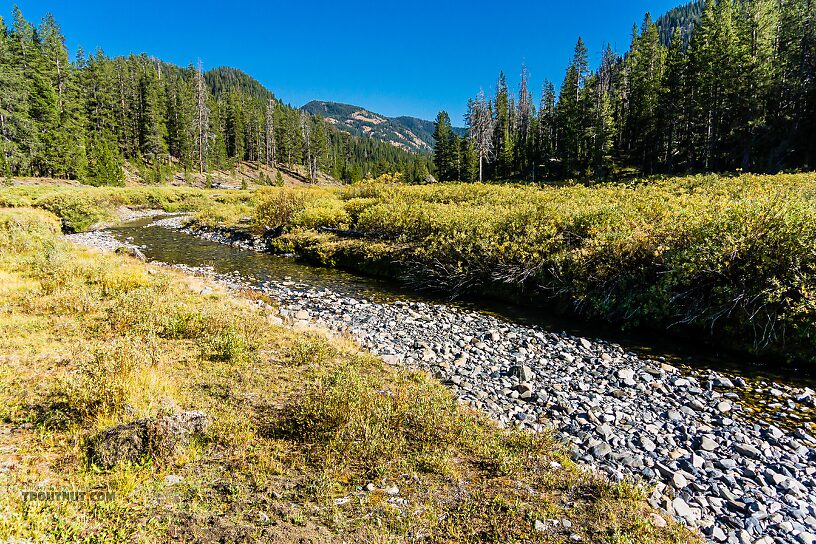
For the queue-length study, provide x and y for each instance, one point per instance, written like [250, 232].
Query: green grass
[299, 422]
[733, 258]
[80, 207]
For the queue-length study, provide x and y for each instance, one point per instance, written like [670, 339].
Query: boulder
[131, 252]
[135, 442]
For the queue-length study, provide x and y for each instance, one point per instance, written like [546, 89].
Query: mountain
[408, 133]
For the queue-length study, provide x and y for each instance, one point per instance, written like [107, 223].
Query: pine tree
[442, 142]
[796, 94]
[104, 161]
[645, 65]
[602, 134]
[672, 114]
[546, 144]
[315, 144]
[714, 62]
[269, 133]
[234, 125]
[16, 127]
[757, 29]
[180, 107]
[524, 126]
[151, 124]
[201, 120]
[469, 162]
[502, 143]
[571, 117]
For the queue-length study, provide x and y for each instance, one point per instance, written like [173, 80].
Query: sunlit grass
[299, 420]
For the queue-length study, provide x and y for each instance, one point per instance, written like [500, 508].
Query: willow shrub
[735, 254]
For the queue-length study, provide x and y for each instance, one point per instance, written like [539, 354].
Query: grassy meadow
[733, 258]
[80, 207]
[300, 422]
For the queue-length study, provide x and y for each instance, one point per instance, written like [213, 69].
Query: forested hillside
[82, 119]
[738, 93]
[680, 19]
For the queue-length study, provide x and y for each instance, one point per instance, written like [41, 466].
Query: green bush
[25, 230]
[77, 211]
[736, 255]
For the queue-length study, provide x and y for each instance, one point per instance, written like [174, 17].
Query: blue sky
[395, 58]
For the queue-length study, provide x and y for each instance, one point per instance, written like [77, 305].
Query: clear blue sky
[395, 58]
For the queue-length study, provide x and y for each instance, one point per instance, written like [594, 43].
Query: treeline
[83, 119]
[739, 92]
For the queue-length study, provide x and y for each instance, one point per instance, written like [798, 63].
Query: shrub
[26, 230]
[227, 344]
[277, 206]
[732, 254]
[331, 216]
[309, 349]
[99, 388]
[357, 422]
[77, 211]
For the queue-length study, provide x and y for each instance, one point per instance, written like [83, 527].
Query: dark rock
[140, 440]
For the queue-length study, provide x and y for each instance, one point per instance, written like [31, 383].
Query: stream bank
[731, 455]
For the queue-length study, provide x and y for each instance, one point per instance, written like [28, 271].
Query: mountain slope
[408, 133]
[682, 18]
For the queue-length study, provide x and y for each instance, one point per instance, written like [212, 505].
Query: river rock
[523, 372]
[131, 251]
[708, 443]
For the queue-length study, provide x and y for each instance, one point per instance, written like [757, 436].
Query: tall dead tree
[201, 120]
[480, 129]
[270, 132]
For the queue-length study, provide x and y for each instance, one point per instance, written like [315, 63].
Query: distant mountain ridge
[405, 132]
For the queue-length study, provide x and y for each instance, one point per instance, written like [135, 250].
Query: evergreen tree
[180, 120]
[151, 124]
[442, 155]
[731, 85]
[645, 65]
[757, 28]
[546, 143]
[16, 128]
[468, 160]
[714, 62]
[104, 161]
[571, 115]
[524, 139]
[672, 114]
[234, 125]
[202, 132]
